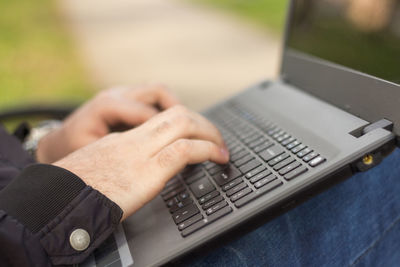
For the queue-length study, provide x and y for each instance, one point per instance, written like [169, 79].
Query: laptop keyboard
[262, 158]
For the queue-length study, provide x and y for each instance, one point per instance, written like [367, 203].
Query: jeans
[354, 223]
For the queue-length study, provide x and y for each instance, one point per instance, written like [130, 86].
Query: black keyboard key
[243, 160]
[289, 168]
[257, 142]
[173, 193]
[231, 144]
[293, 144]
[284, 163]
[190, 221]
[255, 171]
[243, 132]
[265, 181]
[222, 212]
[216, 207]
[235, 189]
[191, 170]
[282, 138]
[263, 190]
[278, 159]
[235, 150]
[232, 184]
[210, 219]
[202, 187]
[197, 176]
[310, 156]
[259, 176]
[180, 205]
[209, 165]
[228, 174]
[185, 213]
[216, 169]
[263, 146]
[197, 172]
[268, 127]
[304, 152]
[277, 134]
[212, 202]
[316, 161]
[172, 202]
[249, 166]
[252, 138]
[288, 141]
[207, 197]
[241, 194]
[296, 172]
[273, 131]
[298, 148]
[171, 188]
[239, 155]
[172, 181]
[271, 153]
[184, 195]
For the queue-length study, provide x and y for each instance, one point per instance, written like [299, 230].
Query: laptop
[333, 111]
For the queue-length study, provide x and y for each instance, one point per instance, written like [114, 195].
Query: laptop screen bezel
[360, 94]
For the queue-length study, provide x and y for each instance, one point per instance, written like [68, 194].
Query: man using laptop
[49, 215]
[332, 113]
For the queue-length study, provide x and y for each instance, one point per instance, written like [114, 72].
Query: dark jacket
[41, 205]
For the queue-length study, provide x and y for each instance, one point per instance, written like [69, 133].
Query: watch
[37, 133]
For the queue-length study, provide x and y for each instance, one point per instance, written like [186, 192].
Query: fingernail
[225, 153]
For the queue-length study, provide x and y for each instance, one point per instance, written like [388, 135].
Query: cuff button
[79, 239]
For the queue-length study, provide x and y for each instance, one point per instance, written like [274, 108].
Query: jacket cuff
[53, 202]
[39, 194]
[91, 212]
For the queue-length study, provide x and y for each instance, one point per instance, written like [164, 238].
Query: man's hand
[132, 167]
[116, 107]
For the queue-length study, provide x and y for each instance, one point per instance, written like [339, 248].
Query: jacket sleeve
[12, 157]
[42, 207]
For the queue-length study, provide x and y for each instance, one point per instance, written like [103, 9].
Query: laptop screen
[363, 35]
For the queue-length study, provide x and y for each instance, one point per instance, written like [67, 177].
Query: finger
[179, 123]
[157, 95]
[174, 157]
[126, 112]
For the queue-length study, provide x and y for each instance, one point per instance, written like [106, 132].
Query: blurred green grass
[268, 14]
[38, 62]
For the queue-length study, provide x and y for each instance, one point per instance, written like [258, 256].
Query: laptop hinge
[383, 124]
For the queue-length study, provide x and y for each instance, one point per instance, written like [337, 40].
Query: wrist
[85, 170]
[37, 134]
[48, 147]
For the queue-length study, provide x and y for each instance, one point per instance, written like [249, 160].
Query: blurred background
[57, 52]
